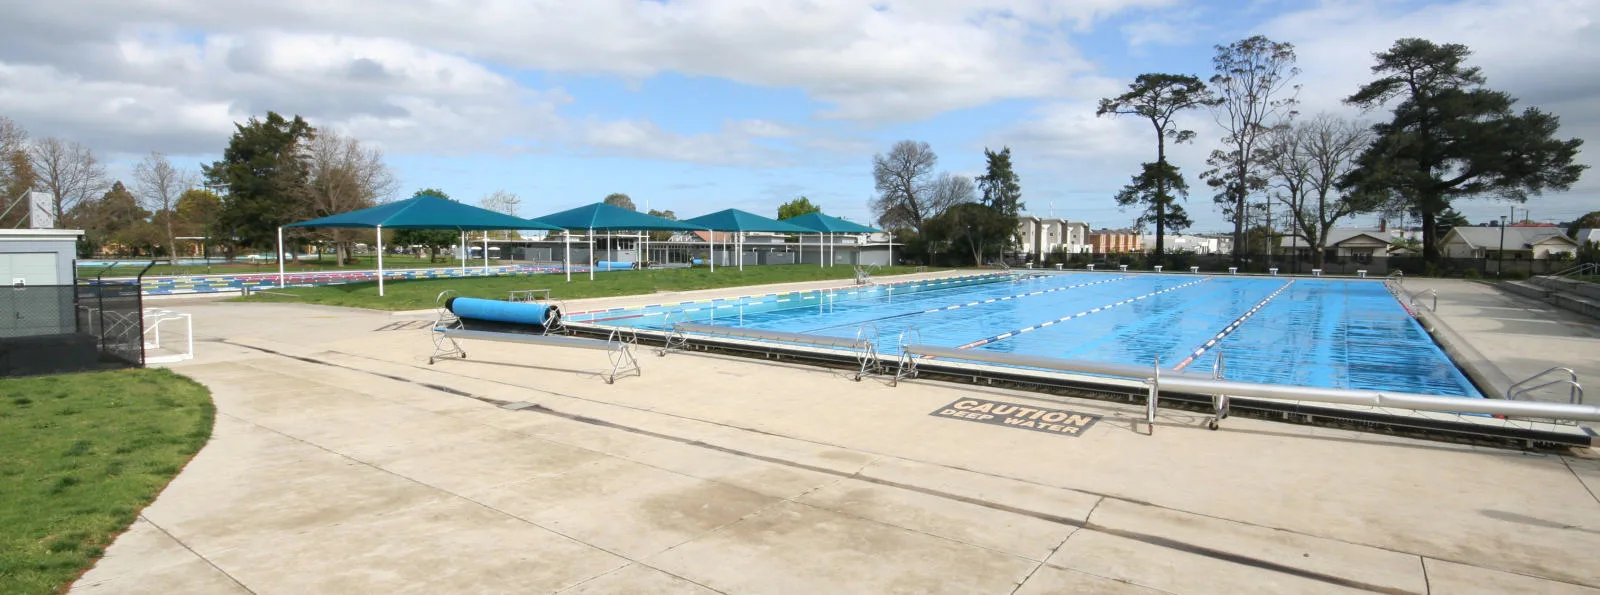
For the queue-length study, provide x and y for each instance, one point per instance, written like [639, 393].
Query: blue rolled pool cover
[535, 314]
[612, 265]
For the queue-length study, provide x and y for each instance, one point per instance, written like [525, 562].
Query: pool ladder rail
[1520, 390]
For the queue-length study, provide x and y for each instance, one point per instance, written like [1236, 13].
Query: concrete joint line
[208, 561]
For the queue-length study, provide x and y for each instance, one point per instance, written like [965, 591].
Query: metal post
[566, 253]
[713, 235]
[821, 251]
[1500, 264]
[280, 257]
[740, 251]
[486, 252]
[380, 261]
[591, 253]
[463, 250]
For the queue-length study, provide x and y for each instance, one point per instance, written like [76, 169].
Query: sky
[701, 105]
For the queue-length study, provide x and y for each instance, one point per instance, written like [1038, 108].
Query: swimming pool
[1305, 332]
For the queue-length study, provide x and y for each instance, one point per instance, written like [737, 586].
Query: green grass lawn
[244, 267]
[414, 295]
[80, 455]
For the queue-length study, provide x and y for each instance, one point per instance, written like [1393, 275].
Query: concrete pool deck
[342, 462]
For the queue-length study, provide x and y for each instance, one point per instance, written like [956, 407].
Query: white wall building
[1191, 244]
[1041, 236]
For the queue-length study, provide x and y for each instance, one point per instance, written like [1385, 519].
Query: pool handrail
[1574, 393]
[1201, 385]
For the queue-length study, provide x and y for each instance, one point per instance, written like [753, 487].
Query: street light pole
[1500, 264]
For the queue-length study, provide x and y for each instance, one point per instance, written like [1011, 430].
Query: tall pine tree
[266, 174]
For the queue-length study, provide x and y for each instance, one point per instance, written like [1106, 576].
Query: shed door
[33, 268]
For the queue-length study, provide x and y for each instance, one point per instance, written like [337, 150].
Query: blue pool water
[1306, 332]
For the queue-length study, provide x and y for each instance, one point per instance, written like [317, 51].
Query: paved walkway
[1518, 335]
[342, 462]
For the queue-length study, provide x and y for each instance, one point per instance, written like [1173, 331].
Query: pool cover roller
[536, 314]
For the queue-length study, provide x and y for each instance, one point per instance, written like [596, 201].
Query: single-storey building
[1527, 243]
[1359, 245]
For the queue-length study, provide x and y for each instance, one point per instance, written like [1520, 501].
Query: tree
[113, 223]
[1157, 98]
[501, 201]
[1449, 219]
[343, 175]
[1588, 221]
[981, 229]
[1307, 161]
[68, 171]
[904, 180]
[16, 174]
[1156, 186]
[432, 239]
[159, 184]
[1001, 186]
[1253, 93]
[1450, 138]
[266, 172]
[197, 212]
[797, 207]
[618, 199]
[662, 236]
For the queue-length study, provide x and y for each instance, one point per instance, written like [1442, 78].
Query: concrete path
[341, 462]
[1519, 335]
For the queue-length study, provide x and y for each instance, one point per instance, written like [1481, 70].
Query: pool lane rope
[1004, 336]
[1232, 326]
[976, 303]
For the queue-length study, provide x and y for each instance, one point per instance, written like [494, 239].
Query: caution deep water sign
[1053, 421]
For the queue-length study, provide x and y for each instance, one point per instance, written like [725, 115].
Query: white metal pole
[280, 257]
[644, 240]
[713, 236]
[380, 261]
[463, 247]
[591, 253]
[820, 250]
[188, 324]
[566, 253]
[486, 252]
[740, 251]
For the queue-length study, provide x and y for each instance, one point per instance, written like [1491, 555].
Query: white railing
[153, 318]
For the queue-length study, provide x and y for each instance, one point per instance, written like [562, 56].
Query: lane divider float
[1008, 335]
[1232, 326]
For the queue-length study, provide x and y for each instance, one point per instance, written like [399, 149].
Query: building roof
[1336, 236]
[9, 234]
[1516, 238]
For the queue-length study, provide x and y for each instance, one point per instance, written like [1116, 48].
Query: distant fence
[70, 328]
[1286, 264]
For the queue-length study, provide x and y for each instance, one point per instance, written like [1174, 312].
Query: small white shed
[38, 257]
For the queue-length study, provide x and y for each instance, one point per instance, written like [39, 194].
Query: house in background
[1042, 236]
[1115, 241]
[1520, 242]
[1584, 236]
[1190, 244]
[1359, 245]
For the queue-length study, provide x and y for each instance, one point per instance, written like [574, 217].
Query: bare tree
[1306, 161]
[16, 173]
[905, 185]
[159, 184]
[68, 171]
[1254, 92]
[501, 201]
[949, 190]
[345, 176]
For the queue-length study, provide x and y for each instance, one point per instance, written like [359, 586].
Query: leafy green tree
[1253, 94]
[797, 207]
[266, 173]
[1158, 98]
[432, 239]
[618, 199]
[1000, 184]
[1156, 188]
[1451, 138]
[197, 212]
[1588, 221]
[113, 224]
[1451, 219]
[978, 228]
[662, 236]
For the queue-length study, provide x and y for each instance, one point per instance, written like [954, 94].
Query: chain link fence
[70, 328]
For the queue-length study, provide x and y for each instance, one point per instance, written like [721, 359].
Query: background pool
[1306, 332]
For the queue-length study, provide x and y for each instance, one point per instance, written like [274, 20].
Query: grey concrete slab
[637, 578]
[794, 548]
[771, 479]
[1016, 534]
[1050, 580]
[1587, 468]
[445, 546]
[189, 576]
[1449, 577]
[1276, 558]
[141, 551]
[625, 507]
